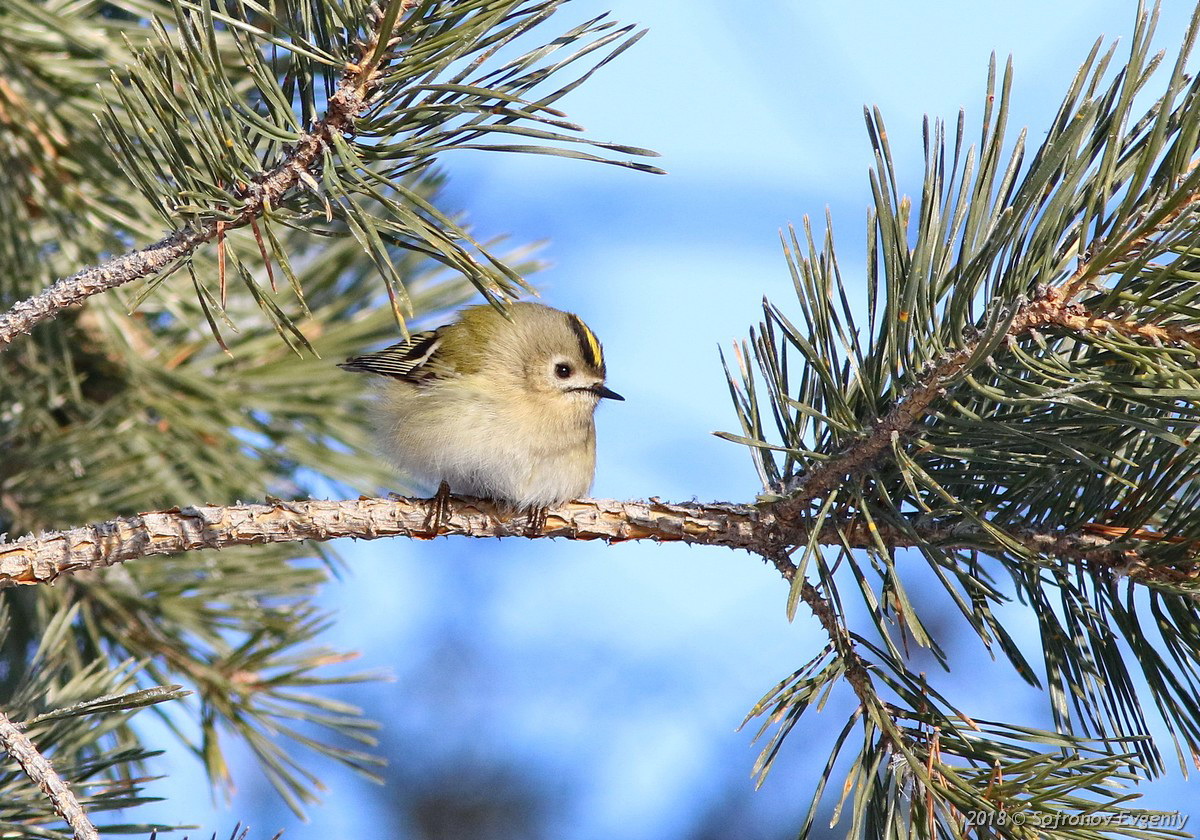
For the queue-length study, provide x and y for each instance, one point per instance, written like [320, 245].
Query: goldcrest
[494, 406]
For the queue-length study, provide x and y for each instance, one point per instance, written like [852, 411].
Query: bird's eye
[562, 370]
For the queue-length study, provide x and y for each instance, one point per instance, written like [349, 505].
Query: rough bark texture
[44, 558]
[38, 768]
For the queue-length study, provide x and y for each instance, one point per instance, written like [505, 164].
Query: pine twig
[858, 672]
[349, 100]
[38, 768]
[761, 530]
[1053, 308]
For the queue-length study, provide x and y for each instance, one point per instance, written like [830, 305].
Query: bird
[497, 404]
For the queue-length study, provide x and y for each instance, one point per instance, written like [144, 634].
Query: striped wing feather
[407, 360]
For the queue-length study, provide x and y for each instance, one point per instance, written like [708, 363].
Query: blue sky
[621, 673]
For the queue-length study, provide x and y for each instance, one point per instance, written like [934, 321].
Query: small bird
[494, 406]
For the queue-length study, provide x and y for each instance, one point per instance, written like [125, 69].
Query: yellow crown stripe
[588, 343]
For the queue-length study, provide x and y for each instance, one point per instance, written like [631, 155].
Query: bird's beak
[606, 393]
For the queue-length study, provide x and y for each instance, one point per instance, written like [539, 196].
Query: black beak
[607, 393]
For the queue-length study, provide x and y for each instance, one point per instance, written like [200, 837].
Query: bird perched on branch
[497, 405]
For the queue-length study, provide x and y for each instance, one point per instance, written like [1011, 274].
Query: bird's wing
[407, 360]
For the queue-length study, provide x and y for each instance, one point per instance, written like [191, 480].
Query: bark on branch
[38, 768]
[44, 558]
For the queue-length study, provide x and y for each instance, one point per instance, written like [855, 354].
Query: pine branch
[1026, 375]
[761, 530]
[38, 768]
[382, 89]
[1054, 308]
[349, 100]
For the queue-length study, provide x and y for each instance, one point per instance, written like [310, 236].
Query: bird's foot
[537, 520]
[439, 507]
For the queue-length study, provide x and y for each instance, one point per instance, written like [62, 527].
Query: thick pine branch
[46, 557]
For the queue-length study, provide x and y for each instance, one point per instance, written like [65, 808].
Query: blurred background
[578, 691]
